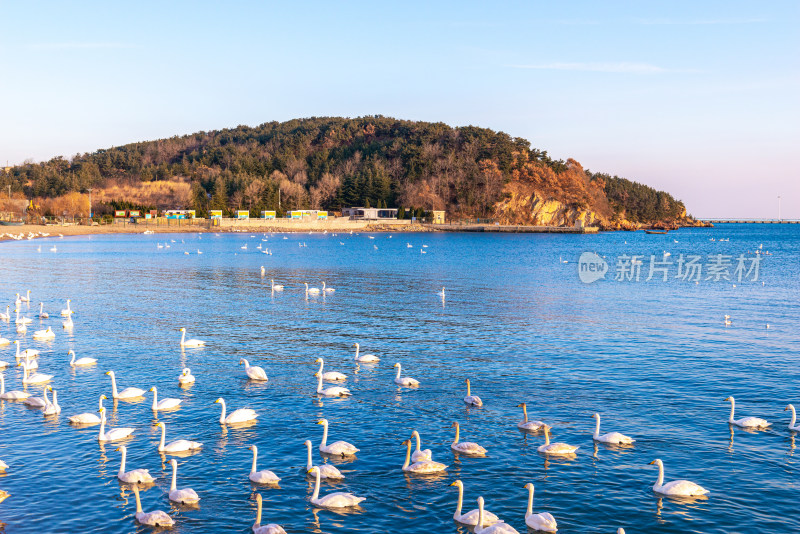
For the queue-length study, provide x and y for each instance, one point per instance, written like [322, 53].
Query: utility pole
[779, 207]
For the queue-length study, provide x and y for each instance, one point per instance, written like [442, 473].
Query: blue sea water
[654, 358]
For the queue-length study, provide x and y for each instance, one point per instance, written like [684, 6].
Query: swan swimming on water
[330, 376]
[82, 362]
[420, 455]
[134, 476]
[37, 402]
[179, 445]
[242, 415]
[525, 424]
[339, 448]
[184, 495]
[422, 467]
[274, 286]
[555, 448]
[156, 518]
[253, 372]
[792, 425]
[677, 488]
[339, 499]
[42, 314]
[745, 422]
[35, 378]
[264, 476]
[472, 400]
[466, 447]
[186, 377]
[127, 393]
[406, 380]
[113, 434]
[66, 312]
[614, 438]
[332, 391]
[190, 342]
[544, 521]
[88, 418]
[270, 528]
[13, 394]
[471, 517]
[497, 528]
[327, 471]
[365, 358]
[52, 408]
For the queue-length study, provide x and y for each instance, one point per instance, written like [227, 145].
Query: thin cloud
[618, 67]
[697, 22]
[79, 46]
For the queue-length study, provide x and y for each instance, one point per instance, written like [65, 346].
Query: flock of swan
[417, 461]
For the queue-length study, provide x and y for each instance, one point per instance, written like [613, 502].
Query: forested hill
[331, 162]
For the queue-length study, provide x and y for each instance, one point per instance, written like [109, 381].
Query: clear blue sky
[697, 98]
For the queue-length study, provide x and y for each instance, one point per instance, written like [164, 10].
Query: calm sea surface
[654, 358]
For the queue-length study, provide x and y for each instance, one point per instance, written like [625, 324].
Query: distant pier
[512, 229]
[752, 221]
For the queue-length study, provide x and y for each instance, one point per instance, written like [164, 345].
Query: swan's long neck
[324, 434]
[183, 337]
[255, 457]
[530, 501]
[41, 307]
[525, 412]
[479, 525]
[155, 398]
[460, 501]
[546, 436]
[258, 513]
[100, 404]
[114, 386]
[55, 398]
[398, 373]
[408, 456]
[17, 344]
[416, 437]
[46, 400]
[660, 480]
[733, 407]
[174, 485]
[357, 347]
[222, 417]
[469, 394]
[122, 461]
[138, 503]
[102, 425]
[316, 487]
[308, 463]
[3, 387]
[321, 365]
[457, 434]
[597, 427]
[319, 384]
[791, 407]
[163, 436]
[72, 357]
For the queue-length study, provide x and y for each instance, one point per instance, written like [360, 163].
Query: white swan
[44, 335]
[614, 438]
[67, 324]
[27, 353]
[678, 488]
[185, 495]
[186, 377]
[27, 297]
[113, 434]
[326, 289]
[32, 364]
[406, 381]
[4, 341]
[253, 372]
[270, 528]
[471, 517]
[365, 358]
[423, 467]
[264, 476]
[52, 408]
[88, 418]
[419, 454]
[66, 312]
[37, 402]
[472, 400]
[544, 522]
[466, 447]
[81, 361]
[127, 393]
[339, 499]
[7, 315]
[441, 293]
[745, 422]
[330, 376]
[43, 314]
[342, 448]
[190, 342]
[179, 445]
[163, 404]
[13, 394]
[333, 391]
[155, 518]
[21, 328]
[35, 378]
[134, 476]
[242, 415]
[327, 471]
[792, 425]
[555, 448]
[275, 287]
[311, 290]
[525, 424]
[497, 528]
